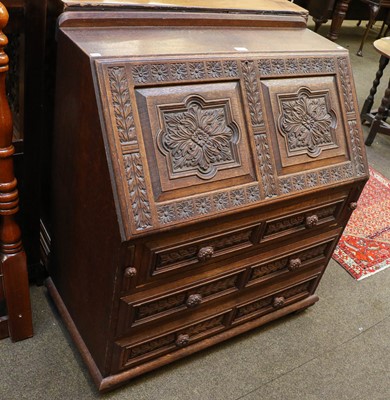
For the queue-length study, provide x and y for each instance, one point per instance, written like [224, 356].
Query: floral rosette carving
[306, 122]
[198, 138]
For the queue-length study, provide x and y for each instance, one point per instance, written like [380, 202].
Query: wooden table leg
[339, 13]
[12, 256]
[379, 118]
[368, 103]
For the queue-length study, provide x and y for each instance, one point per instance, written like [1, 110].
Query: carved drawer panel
[136, 313]
[292, 262]
[266, 304]
[169, 256]
[303, 221]
[170, 341]
[178, 338]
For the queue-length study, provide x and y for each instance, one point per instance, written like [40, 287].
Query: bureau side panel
[86, 236]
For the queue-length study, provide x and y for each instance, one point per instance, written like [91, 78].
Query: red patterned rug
[364, 248]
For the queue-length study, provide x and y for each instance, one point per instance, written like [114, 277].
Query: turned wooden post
[339, 13]
[12, 256]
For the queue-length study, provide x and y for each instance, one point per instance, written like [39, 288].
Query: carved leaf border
[251, 72]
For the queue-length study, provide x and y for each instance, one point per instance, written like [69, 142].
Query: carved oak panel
[307, 125]
[216, 135]
[195, 135]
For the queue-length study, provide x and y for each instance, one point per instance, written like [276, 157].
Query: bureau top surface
[275, 6]
[141, 41]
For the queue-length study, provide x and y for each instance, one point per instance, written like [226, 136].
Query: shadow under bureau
[206, 160]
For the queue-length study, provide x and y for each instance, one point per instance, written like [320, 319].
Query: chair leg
[374, 9]
[376, 123]
[381, 30]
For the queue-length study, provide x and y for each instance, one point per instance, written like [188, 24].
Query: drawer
[135, 313]
[292, 261]
[130, 354]
[172, 256]
[262, 269]
[165, 257]
[266, 304]
[306, 220]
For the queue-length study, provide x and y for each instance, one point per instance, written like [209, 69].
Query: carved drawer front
[168, 342]
[292, 262]
[308, 220]
[267, 304]
[136, 313]
[173, 256]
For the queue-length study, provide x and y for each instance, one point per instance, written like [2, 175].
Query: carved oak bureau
[206, 160]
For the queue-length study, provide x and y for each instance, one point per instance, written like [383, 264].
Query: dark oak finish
[199, 187]
[13, 270]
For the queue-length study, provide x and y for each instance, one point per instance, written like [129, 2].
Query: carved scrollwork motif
[303, 287]
[312, 253]
[205, 326]
[121, 104]
[284, 224]
[268, 268]
[254, 307]
[150, 346]
[199, 138]
[140, 206]
[160, 305]
[306, 122]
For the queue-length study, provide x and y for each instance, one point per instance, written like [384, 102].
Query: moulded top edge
[273, 7]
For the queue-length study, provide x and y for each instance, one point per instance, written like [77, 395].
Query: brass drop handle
[205, 253]
[194, 300]
[311, 221]
[294, 264]
[278, 302]
[353, 205]
[182, 340]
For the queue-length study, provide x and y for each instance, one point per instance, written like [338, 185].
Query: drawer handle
[311, 221]
[353, 205]
[278, 302]
[130, 272]
[294, 264]
[205, 253]
[182, 340]
[194, 300]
